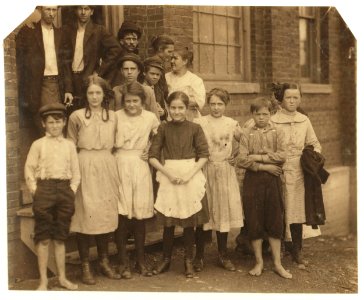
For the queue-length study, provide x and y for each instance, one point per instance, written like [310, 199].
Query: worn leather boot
[107, 270]
[124, 270]
[143, 269]
[226, 263]
[87, 276]
[296, 234]
[188, 268]
[163, 266]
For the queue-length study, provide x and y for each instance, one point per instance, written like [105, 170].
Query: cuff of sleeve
[73, 188]
[32, 187]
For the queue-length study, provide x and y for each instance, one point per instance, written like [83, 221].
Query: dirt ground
[333, 268]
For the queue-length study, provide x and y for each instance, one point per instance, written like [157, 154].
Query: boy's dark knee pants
[53, 208]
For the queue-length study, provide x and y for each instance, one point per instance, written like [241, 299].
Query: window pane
[220, 30]
[233, 31]
[220, 10]
[233, 11]
[196, 58]
[234, 60]
[206, 59]
[304, 48]
[220, 60]
[205, 28]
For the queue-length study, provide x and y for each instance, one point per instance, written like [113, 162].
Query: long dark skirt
[263, 205]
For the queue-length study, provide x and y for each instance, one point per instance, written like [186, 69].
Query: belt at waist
[53, 181]
[77, 72]
[50, 77]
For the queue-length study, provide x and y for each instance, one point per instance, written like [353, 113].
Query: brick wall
[174, 20]
[12, 146]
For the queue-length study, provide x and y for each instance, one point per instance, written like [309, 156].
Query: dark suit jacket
[30, 58]
[100, 51]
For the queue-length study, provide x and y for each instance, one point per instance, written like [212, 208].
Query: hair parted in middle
[278, 89]
[178, 95]
[94, 79]
[222, 94]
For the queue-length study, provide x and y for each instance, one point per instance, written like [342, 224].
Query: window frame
[314, 56]
[244, 44]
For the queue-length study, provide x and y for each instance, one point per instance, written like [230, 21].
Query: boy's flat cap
[154, 61]
[52, 108]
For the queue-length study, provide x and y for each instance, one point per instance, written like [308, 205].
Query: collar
[58, 138]
[267, 128]
[283, 117]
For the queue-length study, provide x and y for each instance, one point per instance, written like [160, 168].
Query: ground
[333, 268]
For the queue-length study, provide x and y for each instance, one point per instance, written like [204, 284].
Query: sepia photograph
[177, 148]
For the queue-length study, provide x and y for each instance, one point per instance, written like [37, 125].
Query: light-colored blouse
[133, 133]
[92, 133]
[298, 132]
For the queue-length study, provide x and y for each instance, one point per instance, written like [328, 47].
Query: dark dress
[262, 191]
[178, 141]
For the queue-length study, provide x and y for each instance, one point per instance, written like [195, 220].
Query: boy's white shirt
[35, 167]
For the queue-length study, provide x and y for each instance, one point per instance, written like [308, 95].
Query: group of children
[106, 186]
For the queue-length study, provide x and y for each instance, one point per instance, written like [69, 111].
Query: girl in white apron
[181, 196]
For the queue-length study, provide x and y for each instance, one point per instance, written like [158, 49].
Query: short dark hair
[134, 88]
[261, 102]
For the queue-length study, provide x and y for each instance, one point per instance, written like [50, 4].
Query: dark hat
[154, 61]
[128, 26]
[132, 57]
[52, 108]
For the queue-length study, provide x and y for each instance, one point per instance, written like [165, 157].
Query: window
[220, 48]
[313, 49]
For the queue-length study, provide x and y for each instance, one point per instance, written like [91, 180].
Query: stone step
[154, 235]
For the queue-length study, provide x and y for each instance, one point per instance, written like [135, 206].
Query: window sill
[233, 87]
[314, 88]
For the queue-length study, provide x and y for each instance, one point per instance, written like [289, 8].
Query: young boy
[52, 175]
[262, 154]
[153, 72]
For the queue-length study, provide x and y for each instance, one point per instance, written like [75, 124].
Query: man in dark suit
[88, 49]
[39, 64]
